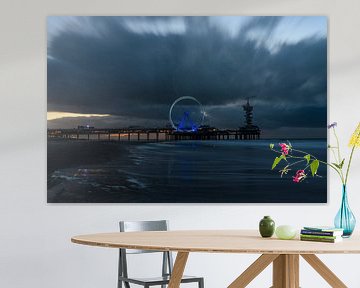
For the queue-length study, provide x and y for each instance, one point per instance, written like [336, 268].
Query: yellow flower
[355, 138]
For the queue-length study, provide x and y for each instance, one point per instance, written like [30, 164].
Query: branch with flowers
[292, 157]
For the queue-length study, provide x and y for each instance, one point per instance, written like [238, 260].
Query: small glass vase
[345, 219]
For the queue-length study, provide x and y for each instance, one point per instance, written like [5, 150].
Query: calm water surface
[183, 172]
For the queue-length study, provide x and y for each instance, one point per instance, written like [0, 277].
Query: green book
[324, 240]
[319, 236]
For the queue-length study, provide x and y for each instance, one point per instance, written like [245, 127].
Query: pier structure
[247, 132]
[147, 135]
[124, 134]
[209, 133]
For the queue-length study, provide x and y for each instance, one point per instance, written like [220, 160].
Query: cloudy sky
[127, 71]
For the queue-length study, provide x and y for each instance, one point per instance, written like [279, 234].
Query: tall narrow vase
[345, 219]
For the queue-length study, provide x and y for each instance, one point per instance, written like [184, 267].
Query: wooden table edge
[206, 250]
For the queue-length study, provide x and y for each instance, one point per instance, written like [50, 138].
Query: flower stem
[322, 162]
[338, 145]
[350, 159]
[340, 159]
[297, 162]
[333, 153]
[348, 167]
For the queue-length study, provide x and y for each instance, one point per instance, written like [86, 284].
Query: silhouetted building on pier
[249, 131]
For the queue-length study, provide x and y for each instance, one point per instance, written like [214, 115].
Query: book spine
[317, 239]
[320, 233]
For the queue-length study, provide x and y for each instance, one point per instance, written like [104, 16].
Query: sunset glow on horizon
[59, 115]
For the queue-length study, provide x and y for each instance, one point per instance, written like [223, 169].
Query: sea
[227, 171]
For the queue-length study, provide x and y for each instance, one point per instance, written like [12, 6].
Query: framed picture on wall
[183, 109]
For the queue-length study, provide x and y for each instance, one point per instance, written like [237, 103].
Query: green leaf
[342, 163]
[277, 161]
[336, 165]
[339, 166]
[314, 166]
[307, 157]
[271, 146]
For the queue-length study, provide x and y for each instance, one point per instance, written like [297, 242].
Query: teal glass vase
[345, 219]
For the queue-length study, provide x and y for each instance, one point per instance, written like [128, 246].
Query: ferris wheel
[186, 114]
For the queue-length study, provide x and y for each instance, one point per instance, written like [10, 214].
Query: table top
[216, 241]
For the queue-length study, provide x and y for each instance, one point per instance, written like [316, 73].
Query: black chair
[167, 265]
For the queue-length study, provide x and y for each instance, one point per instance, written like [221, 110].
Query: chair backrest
[137, 226]
[133, 226]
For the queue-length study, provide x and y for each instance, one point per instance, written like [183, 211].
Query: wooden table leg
[279, 269]
[286, 271]
[178, 269]
[324, 271]
[253, 270]
[293, 262]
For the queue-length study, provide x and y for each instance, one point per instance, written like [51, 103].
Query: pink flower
[284, 148]
[299, 176]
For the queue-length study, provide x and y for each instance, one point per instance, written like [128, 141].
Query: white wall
[35, 248]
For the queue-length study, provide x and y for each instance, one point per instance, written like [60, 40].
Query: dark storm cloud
[139, 74]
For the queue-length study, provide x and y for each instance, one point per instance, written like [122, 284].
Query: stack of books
[321, 234]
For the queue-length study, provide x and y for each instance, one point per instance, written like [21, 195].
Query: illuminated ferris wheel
[186, 114]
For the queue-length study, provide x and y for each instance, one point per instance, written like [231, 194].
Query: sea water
[225, 171]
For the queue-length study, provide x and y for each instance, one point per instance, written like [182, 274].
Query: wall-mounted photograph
[164, 109]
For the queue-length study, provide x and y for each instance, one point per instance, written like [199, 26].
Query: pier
[151, 135]
[248, 132]
[126, 134]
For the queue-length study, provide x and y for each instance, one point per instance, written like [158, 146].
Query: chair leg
[201, 283]
[120, 272]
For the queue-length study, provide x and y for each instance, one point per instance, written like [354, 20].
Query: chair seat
[158, 280]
